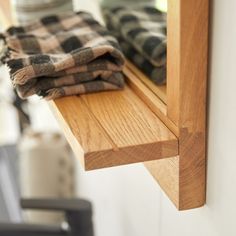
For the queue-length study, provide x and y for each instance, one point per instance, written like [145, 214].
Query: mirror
[140, 28]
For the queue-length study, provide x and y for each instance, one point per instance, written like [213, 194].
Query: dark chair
[78, 214]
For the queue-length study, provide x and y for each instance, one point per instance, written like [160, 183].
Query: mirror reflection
[140, 28]
[136, 29]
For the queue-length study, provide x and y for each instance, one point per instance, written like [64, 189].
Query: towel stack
[141, 32]
[63, 55]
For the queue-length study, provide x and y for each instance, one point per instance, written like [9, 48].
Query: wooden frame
[163, 127]
[186, 95]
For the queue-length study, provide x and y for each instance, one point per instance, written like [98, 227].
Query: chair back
[9, 185]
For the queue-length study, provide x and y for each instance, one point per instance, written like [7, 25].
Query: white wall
[127, 200]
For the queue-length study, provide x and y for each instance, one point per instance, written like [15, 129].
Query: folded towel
[141, 32]
[63, 55]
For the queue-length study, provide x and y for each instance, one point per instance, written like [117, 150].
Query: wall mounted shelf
[113, 128]
[162, 126]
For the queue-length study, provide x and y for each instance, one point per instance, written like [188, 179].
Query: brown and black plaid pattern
[141, 32]
[63, 55]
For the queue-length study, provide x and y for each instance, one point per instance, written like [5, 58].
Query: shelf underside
[113, 128]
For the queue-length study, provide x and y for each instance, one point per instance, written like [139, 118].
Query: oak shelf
[113, 128]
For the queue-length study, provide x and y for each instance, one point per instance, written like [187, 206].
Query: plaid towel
[141, 32]
[63, 55]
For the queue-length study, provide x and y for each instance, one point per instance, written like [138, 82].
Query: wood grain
[150, 99]
[80, 130]
[192, 115]
[186, 99]
[166, 173]
[126, 118]
[113, 128]
[173, 59]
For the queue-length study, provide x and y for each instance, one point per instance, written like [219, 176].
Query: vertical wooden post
[186, 93]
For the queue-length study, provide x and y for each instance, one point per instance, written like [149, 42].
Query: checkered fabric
[63, 55]
[141, 32]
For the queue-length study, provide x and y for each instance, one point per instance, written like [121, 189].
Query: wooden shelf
[113, 128]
